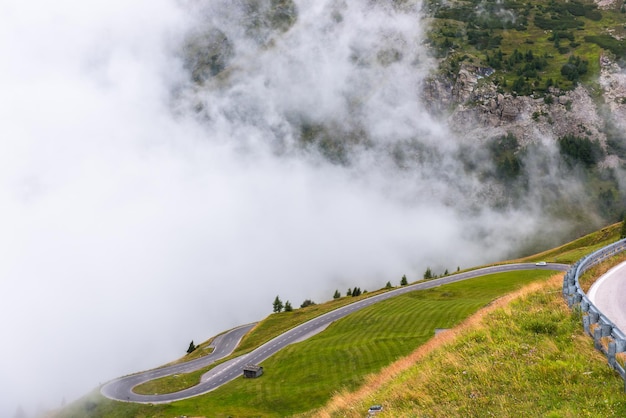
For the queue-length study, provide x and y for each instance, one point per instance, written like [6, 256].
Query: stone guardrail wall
[608, 338]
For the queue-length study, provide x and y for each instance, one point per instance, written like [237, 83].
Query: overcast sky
[132, 225]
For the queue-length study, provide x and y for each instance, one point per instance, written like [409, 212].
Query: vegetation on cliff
[531, 45]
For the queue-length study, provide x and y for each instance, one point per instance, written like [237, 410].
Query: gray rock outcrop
[474, 106]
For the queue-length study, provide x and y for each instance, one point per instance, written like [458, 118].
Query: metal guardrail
[608, 338]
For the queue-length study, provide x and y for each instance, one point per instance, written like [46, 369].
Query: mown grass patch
[267, 329]
[527, 358]
[278, 323]
[169, 384]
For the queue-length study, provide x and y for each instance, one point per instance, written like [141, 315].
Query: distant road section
[121, 389]
[608, 294]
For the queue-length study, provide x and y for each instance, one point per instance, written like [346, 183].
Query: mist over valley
[168, 168]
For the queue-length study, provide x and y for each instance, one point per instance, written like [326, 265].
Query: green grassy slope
[528, 358]
[577, 249]
[306, 375]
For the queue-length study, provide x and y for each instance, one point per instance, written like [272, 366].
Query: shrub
[583, 150]
[307, 302]
[504, 155]
[608, 42]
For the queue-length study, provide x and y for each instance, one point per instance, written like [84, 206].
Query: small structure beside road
[252, 370]
[374, 409]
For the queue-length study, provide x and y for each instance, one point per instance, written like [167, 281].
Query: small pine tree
[445, 273]
[288, 307]
[428, 274]
[192, 347]
[388, 285]
[623, 233]
[337, 295]
[404, 281]
[349, 292]
[278, 305]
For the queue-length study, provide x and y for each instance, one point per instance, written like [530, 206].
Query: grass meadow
[525, 356]
[508, 354]
[306, 375]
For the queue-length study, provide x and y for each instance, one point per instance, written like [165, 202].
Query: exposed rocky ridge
[613, 83]
[473, 106]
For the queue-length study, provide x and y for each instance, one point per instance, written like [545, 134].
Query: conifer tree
[404, 281]
[278, 305]
[337, 295]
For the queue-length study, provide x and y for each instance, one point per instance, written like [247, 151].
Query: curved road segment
[608, 293]
[121, 389]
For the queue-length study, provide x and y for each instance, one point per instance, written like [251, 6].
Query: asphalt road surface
[608, 294]
[121, 389]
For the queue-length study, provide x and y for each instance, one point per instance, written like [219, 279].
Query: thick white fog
[141, 211]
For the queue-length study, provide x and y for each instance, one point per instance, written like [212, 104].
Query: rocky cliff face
[613, 84]
[472, 104]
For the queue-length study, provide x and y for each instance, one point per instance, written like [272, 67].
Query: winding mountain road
[608, 294]
[121, 389]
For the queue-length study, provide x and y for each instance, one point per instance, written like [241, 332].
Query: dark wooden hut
[252, 370]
